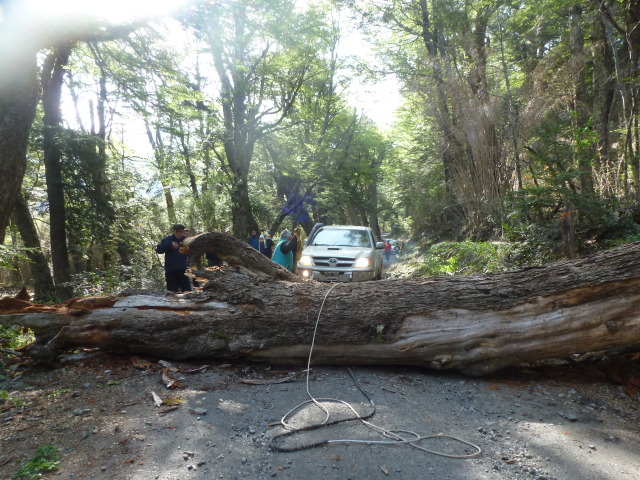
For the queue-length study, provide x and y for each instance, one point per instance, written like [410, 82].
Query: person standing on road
[387, 251]
[253, 240]
[175, 263]
[268, 241]
[284, 252]
[263, 245]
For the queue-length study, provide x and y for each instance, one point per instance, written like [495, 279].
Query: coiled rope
[394, 437]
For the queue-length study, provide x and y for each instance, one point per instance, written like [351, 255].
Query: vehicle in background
[341, 253]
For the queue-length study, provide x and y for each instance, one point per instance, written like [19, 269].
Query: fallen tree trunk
[475, 324]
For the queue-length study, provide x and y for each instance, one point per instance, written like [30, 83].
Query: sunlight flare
[114, 11]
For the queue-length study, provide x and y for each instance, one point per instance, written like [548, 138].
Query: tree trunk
[103, 234]
[603, 96]
[255, 310]
[44, 289]
[186, 156]
[52, 79]
[19, 93]
[576, 41]
[241, 212]
[160, 154]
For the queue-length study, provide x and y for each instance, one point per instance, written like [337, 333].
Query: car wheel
[379, 274]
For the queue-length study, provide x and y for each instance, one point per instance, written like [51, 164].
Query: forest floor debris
[553, 422]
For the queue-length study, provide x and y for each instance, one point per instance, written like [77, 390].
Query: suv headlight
[306, 260]
[362, 262]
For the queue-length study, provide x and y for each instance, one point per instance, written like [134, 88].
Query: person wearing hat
[283, 254]
[175, 263]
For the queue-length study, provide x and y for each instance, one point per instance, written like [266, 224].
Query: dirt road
[220, 421]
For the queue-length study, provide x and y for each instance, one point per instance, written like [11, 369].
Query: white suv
[341, 253]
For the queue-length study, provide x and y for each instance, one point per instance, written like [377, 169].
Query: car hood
[328, 250]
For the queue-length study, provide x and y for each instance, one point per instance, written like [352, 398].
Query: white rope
[394, 435]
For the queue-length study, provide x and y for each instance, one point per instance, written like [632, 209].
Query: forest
[516, 136]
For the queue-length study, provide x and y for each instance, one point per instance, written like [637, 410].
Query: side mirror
[379, 244]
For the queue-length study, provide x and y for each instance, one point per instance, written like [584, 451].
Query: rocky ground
[220, 420]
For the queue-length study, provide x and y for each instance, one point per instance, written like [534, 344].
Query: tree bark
[604, 73]
[44, 289]
[19, 94]
[255, 310]
[576, 41]
[52, 79]
[102, 188]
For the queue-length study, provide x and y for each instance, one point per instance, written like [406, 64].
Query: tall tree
[603, 98]
[18, 100]
[626, 21]
[303, 156]
[52, 81]
[153, 78]
[261, 53]
[442, 49]
[28, 32]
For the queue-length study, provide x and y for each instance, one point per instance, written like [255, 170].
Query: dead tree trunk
[253, 309]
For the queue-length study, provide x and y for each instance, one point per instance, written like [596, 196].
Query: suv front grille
[327, 261]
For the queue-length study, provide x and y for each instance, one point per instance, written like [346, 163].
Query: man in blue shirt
[175, 263]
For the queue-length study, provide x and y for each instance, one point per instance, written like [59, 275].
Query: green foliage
[89, 214]
[413, 184]
[11, 337]
[57, 393]
[8, 401]
[142, 274]
[534, 217]
[9, 255]
[465, 258]
[560, 190]
[45, 460]
[616, 242]
[6, 257]
[559, 193]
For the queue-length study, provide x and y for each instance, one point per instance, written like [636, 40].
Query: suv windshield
[343, 238]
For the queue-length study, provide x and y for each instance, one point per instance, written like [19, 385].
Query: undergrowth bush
[12, 337]
[10, 400]
[46, 459]
[616, 242]
[139, 275]
[535, 216]
[468, 257]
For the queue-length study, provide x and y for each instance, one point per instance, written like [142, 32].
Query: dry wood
[475, 324]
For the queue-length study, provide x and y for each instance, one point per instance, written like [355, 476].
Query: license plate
[331, 274]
